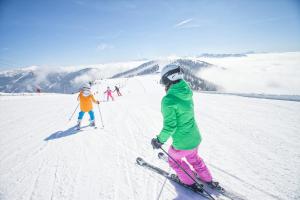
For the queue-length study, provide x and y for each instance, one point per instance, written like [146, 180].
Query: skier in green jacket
[177, 108]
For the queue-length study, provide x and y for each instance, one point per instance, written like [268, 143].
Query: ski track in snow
[250, 145]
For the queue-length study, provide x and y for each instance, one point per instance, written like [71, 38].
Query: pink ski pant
[109, 95]
[194, 160]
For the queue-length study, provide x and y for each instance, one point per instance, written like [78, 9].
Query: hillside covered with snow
[251, 146]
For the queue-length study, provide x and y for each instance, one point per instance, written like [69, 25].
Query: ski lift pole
[74, 112]
[100, 115]
[196, 181]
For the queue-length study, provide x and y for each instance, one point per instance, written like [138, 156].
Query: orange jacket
[86, 102]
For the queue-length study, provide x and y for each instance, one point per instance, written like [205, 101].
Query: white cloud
[102, 47]
[90, 75]
[41, 73]
[192, 26]
[269, 73]
[182, 23]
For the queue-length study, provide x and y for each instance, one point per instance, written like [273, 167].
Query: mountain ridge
[63, 80]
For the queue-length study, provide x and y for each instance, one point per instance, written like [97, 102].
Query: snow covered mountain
[190, 67]
[66, 80]
[56, 81]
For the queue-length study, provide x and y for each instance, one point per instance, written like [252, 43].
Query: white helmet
[171, 74]
[86, 90]
[85, 86]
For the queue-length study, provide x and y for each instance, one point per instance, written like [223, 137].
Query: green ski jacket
[177, 108]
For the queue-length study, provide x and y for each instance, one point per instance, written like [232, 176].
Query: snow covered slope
[250, 145]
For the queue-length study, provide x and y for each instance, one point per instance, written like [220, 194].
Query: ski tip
[140, 161]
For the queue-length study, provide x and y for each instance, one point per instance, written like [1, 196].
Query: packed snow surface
[251, 146]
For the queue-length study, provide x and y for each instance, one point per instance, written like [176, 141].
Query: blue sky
[77, 32]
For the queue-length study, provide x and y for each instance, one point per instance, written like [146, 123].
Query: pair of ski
[203, 189]
[79, 128]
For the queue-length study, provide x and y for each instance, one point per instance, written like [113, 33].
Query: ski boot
[215, 185]
[78, 125]
[196, 187]
[92, 123]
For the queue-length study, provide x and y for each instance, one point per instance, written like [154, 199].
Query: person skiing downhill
[86, 98]
[118, 91]
[109, 94]
[177, 108]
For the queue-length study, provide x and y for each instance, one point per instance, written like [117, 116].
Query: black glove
[156, 144]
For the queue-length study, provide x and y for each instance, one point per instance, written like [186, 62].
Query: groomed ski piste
[251, 146]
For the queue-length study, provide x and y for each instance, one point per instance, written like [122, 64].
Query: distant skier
[118, 91]
[179, 123]
[108, 93]
[86, 98]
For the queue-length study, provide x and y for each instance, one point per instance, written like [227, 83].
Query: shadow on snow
[184, 193]
[59, 134]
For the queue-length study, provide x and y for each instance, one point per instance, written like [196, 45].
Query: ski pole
[196, 181]
[100, 116]
[74, 112]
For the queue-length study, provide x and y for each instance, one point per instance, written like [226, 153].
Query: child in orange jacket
[86, 98]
